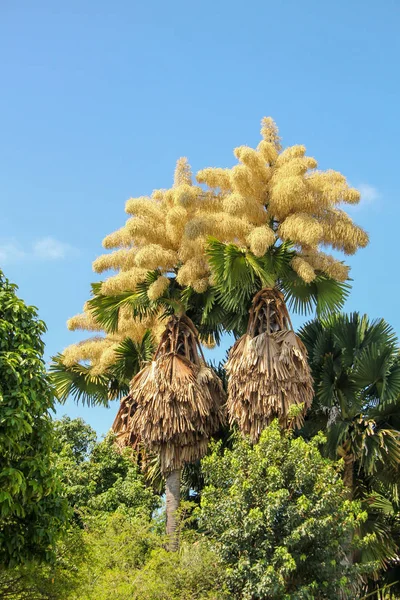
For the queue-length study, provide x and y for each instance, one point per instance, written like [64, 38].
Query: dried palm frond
[175, 403]
[268, 369]
[123, 434]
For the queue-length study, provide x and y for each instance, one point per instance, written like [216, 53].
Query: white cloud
[49, 248]
[369, 194]
[11, 252]
[44, 249]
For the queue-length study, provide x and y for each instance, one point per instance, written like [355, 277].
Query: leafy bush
[280, 520]
[32, 509]
[35, 580]
[127, 559]
[97, 477]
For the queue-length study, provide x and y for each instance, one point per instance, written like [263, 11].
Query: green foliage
[77, 435]
[194, 573]
[79, 382]
[355, 362]
[110, 502]
[47, 581]
[32, 509]
[280, 519]
[127, 560]
[356, 370]
[97, 477]
[239, 274]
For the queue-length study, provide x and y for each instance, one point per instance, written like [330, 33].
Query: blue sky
[99, 99]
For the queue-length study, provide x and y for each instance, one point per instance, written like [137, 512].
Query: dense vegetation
[280, 467]
[32, 508]
[274, 521]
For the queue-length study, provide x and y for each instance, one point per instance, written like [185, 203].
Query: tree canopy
[280, 519]
[32, 508]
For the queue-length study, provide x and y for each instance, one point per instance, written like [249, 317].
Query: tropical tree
[153, 292]
[286, 210]
[175, 405]
[97, 477]
[279, 518]
[356, 369]
[32, 509]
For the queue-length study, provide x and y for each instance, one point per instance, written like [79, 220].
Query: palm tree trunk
[172, 493]
[348, 473]
[348, 480]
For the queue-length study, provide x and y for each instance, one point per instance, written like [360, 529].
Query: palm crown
[356, 369]
[214, 245]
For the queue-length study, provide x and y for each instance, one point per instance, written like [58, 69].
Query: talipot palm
[174, 406]
[211, 248]
[284, 211]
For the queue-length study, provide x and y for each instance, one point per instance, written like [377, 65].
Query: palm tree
[174, 406]
[277, 212]
[269, 376]
[268, 216]
[356, 369]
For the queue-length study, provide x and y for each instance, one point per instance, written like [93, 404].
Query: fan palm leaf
[83, 385]
[79, 382]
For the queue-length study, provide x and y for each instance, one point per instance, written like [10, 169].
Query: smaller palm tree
[174, 406]
[356, 369]
[268, 369]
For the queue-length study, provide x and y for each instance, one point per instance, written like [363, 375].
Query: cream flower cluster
[271, 195]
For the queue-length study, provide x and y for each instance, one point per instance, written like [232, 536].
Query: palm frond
[324, 295]
[131, 357]
[377, 372]
[79, 382]
[106, 309]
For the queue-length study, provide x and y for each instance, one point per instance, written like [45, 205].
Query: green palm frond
[377, 447]
[324, 295]
[311, 334]
[131, 356]
[106, 309]
[78, 381]
[239, 275]
[206, 313]
[377, 371]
